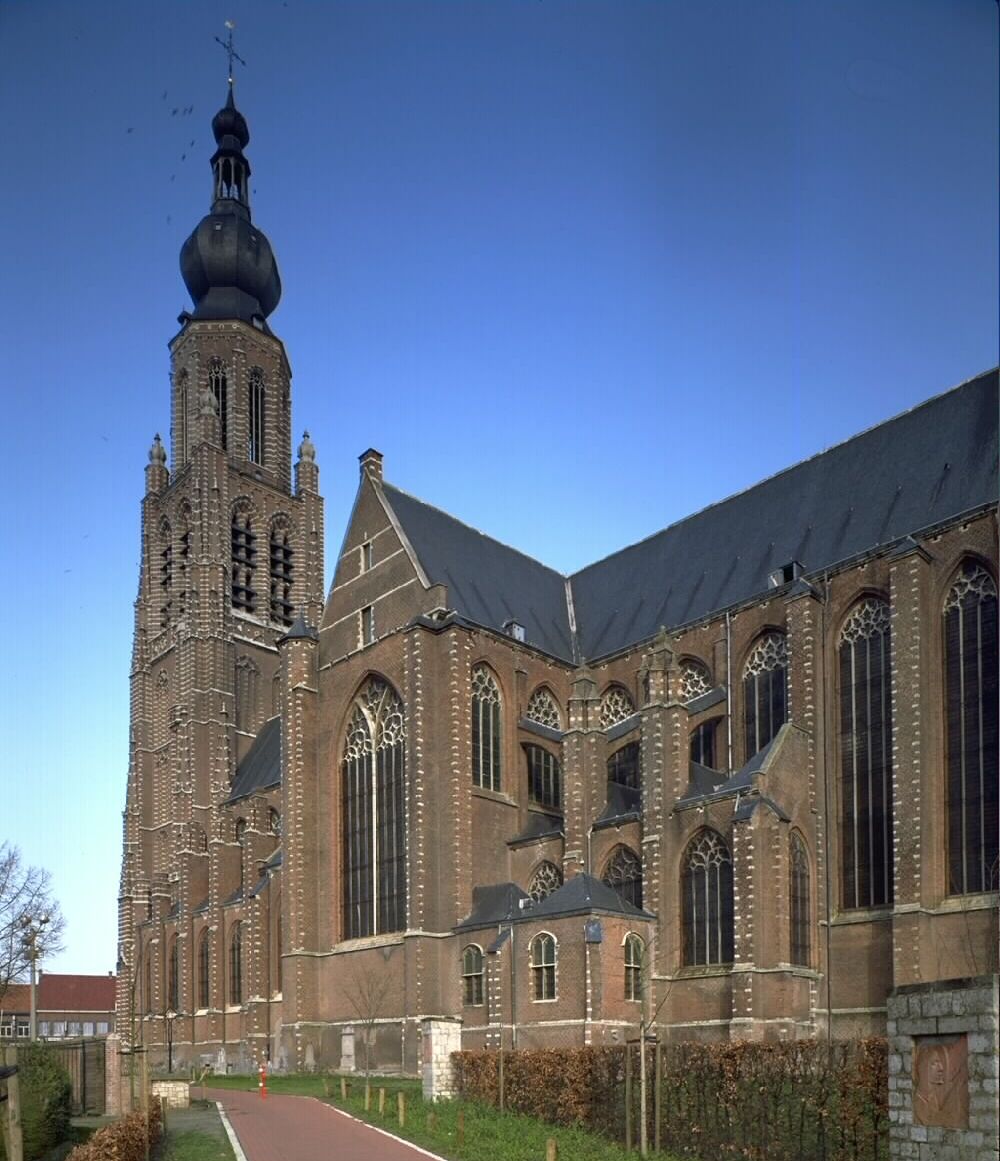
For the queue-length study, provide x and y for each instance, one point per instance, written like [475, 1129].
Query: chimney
[371, 464]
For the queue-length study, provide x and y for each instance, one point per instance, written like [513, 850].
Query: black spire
[227, 262]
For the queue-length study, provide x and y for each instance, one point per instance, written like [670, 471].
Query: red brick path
[290, 1128]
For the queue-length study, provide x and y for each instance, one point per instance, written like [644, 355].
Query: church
[741, 775]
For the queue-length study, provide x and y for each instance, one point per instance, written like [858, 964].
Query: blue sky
[577, 268]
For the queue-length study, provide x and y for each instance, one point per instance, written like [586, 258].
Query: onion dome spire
[227, 263]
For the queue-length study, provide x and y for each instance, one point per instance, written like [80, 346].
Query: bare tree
[25, 894]
[367, 994]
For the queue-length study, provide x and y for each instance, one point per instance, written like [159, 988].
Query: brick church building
[744, 772]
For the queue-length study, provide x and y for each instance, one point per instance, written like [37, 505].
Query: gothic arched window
[765, 698]
[544, 778]
[866, 756]
[707, 900]
[798, 901]
[247, 692]
[485, 729]
[472, 975]
[184, 542]
[546, 879]
[971, 663]
[255, 416]
[623, 766]
[695, 679]
[182, 416]
[374, 814]
[543, 966]
[623, 873]
[616, 706]
[166, 574]
[173, 977]
[280, 557]
[702, 746]
[633, 948]
[203, 963]
[544, 709]
[218, 386]
[243, 558]
[236, 964]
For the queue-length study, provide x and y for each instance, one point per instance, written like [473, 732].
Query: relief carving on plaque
[941, 1081]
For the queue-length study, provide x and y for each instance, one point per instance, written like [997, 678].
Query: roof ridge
[784, 471]
[478, 531]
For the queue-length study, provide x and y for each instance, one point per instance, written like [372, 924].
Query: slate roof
[261, 766]
[919, 469]
[579, 896]
[493, 904]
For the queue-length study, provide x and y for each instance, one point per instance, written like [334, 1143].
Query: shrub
[46, 1093]
[125, 1140]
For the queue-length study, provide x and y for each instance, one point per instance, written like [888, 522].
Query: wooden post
[343, 1088]
[15, 1143]
[657, 1081]
[460, 1128]
[368, 1097]
[551, 1150]
[431, 1121]
[381, 1102]
[628, 1099]
[401, 1108]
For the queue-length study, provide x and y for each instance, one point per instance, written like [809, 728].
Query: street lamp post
[32, 927]
[171, 1016]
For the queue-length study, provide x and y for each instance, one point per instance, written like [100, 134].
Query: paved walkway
[289, 1128]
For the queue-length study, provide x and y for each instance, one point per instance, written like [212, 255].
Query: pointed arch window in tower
[173, 976]
[243, 560]
[971, 665]
[236, 964]
[217, 384]
[182, 416]
[798, 902]
[281, 565]
[765, 698]
[203, 965]
[374, 814]
[184, 542]
[166, 575]
[255, 415]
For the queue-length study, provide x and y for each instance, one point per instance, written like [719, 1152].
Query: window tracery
[544, 709]
[543, 966]
[546, 879]
[695, 679]
[236, 964]
[623, 873]
[472, 975]
[486, 705]
[616, 706]
[633, 966]
[765, 690]
[707, 894]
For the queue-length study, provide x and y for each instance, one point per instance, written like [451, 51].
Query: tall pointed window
[623, 873]
[798, 901]
[544, 779]
[971, 663]
[184, 543]
[472, 975]
[280, 556]
[702, 744]
[182, 416]
[166, 574]
[255, 416]
[218, 386]
[546, 879]
[173, 977]
[633, 966]
[374, 814]
[243, 559]
[623, 766]
[765, 683]
[707, 900]
[236, 964]
[203, 963]
[485, 729]
[866, 757]
[543, 966]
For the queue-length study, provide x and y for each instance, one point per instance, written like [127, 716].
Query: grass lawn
[194, 1146]
[486, 1134]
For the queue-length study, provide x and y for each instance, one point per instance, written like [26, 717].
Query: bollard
[431, 1121]
[551, 1150]
[343, 1089]
[381, 1102]
[401, 1108]
[368, 1097]
[262, 1083]
[460, 1128]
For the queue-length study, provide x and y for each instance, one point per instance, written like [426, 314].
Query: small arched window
[707, 900]
[203, 969]
[543, 966]
[623, 766]
[765, 691]
[544, 778]
[485, 729]
[255, 414]
[695, 679]
[623, 873]
[243, 559]
[281, 570]
[546, 879]
[798, 901]
[544, 709]
[217, 384]
[633, 967]
[971, 666]
[616, 706]
[472, 975]
[173, 977]
[866, 756]
[236, 964]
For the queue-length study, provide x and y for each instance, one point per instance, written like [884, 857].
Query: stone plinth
[441, 1037]
[175, 1094]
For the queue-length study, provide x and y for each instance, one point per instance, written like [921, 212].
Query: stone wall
[175, 1094]
[943, 1071]
[441, 1038]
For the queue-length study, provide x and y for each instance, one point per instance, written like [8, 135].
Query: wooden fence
[84, 1061]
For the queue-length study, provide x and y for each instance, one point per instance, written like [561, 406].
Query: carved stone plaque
[941, 1081]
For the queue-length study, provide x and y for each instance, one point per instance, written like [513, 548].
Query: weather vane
[231, 52]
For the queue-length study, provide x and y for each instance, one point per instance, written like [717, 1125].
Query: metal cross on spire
[231, 52]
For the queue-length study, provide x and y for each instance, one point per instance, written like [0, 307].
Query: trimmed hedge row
[125, 1140]
[46, 1094]
[773, 1101]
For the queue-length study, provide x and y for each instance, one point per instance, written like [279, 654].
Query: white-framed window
[102, 1028]
[472, 975]
[543, 966]
[633, 967]
[368, 625]
[23, 1029]
[88, 1027]
[74, 1028]
[43, 1029]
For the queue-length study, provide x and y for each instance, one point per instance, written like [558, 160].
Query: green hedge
[45, 1101]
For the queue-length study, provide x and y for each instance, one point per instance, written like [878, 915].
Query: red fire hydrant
[262, 1083]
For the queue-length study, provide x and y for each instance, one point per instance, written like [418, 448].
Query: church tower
[232, 555]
